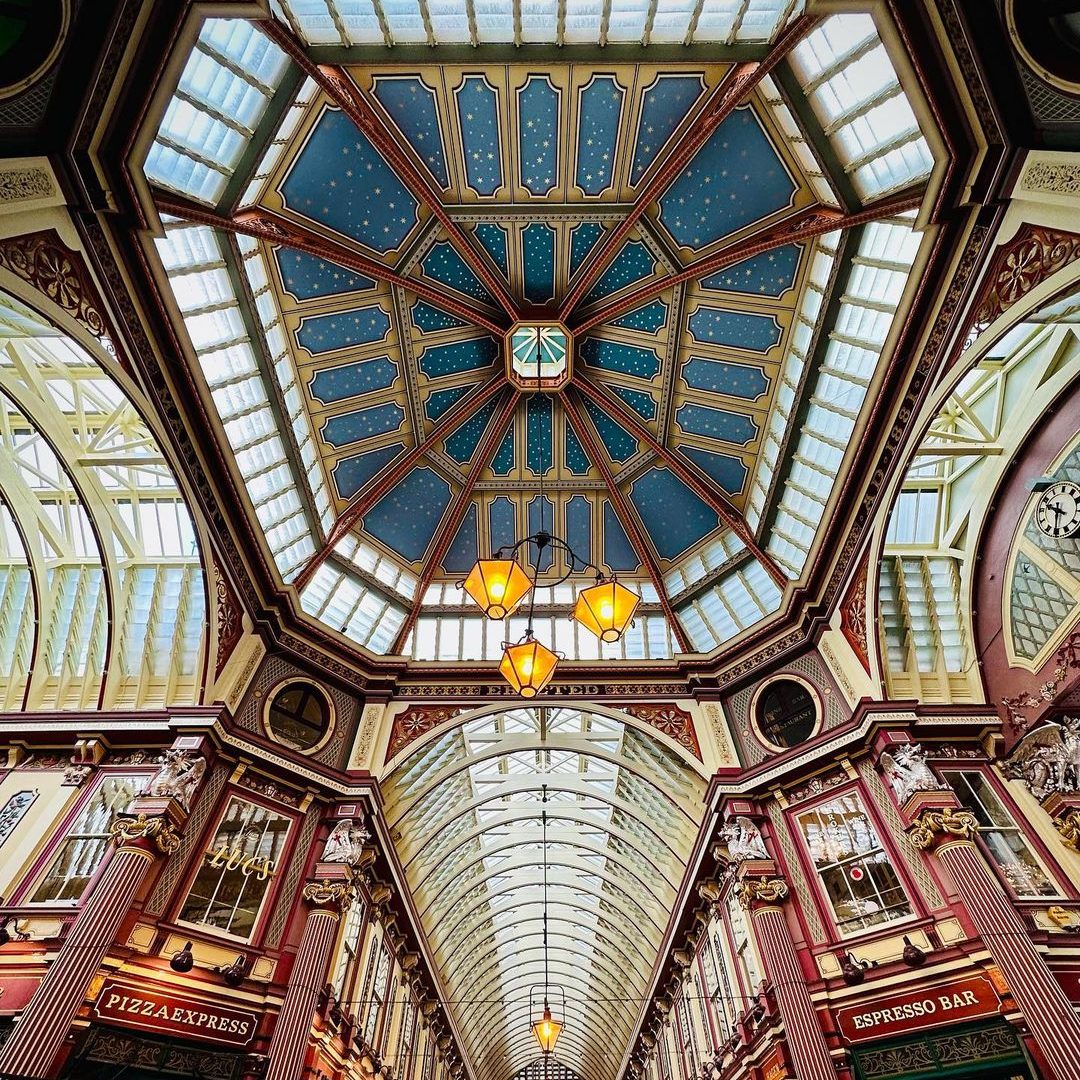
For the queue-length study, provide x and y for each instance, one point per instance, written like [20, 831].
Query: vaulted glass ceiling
[623, 807]
[102, 592]
[347, 236]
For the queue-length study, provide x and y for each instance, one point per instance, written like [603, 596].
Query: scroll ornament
[1068, 824]
[766, 890]
[330, 893]
[947, 822]
[126, 830]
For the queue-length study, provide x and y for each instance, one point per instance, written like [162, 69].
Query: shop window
[346, 971]
[745, 958]
[1001, 837]
[786, 713]
[406, 1039]
[687, 1042]
[299, 715]
[856, 873]
[718, 983]
[238, 869]
[87, 840]
[375, 994]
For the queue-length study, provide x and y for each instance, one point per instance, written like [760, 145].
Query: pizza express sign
[950, 1003]
[174, 1014]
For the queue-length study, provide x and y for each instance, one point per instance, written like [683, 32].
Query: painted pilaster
[140, 838]
[944, 831]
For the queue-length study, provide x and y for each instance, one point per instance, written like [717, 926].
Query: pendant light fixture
[500, 584]
[547, 1029]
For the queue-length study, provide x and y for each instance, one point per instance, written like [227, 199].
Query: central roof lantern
[547, 344]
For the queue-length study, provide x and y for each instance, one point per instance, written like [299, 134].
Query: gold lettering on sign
[236, 859]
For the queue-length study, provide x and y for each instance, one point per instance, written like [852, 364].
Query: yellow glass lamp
[547, 1031]
[497, 586]
[528, 666]
[606, 608]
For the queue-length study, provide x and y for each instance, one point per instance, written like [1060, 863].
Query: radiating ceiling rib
[730, 92]
[800, 226]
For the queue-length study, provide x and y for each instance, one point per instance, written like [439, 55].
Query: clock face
[1058, 511]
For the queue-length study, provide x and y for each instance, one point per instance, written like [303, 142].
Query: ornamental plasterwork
[763, 889]
[945, 822]
[1068, 825]
[28, 184]
[13, 812]
[127, 830]
[1054, 177]
[906, 771]
[1048, 759]
[330, 893]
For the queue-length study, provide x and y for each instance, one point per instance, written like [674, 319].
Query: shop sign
[950, 1003]
[773, 1067]
[174, 1014]
[16, 992]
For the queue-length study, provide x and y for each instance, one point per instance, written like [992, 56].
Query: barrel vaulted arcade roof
[720, 214]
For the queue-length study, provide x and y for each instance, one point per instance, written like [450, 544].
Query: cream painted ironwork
[624, 809]
[102, 592]
[926, 578]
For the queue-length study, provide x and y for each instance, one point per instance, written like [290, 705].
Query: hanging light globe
[528, 666]
[497, 586]
[547, 1031]
[606, 609]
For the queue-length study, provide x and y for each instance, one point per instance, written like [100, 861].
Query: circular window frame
[271, 697]
[815, 697]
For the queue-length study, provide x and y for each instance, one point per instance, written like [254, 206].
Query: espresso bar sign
[174, 1014]
[950, 1003]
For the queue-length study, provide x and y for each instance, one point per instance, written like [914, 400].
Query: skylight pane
[626, 21]
[405, 21]
[583, 21]
[450, 21]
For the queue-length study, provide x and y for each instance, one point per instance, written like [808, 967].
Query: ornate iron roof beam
[729, 94]
[264, 225]
[705, 489]
[448, 530]
[341, 90]
[803, 225]
[629, 521]
[364, 500]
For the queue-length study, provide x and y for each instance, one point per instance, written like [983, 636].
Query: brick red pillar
[943, 830]
[44, 1023]
[329, 896]
[762, 896]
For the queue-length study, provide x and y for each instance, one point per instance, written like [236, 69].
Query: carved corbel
[933, 824]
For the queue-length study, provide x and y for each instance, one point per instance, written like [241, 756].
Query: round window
[299, 715]
[786, 713]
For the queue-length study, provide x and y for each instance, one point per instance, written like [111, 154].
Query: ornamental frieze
[671, 721]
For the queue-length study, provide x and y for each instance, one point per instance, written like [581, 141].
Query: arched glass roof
[726, 234]
[623, 811]
[102, 594]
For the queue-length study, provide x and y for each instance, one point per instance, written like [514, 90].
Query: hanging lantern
[497, 586]
[606, 609]
[547, 1031]
[528, 666]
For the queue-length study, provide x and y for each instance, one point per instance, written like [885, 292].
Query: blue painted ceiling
[537, 166]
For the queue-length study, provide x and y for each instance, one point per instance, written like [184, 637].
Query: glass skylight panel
[353, 608]
[809, 164]
[222, 94]
[539, 19]
[740, 599]
[626, 20]
[405, 21]
[450, 20]
[854, 348]
[671, 21]
[583, 21]
[239, 392]
[857, 96]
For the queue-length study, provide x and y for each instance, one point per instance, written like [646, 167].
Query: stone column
[761, 891]
[939, 827]
[329, 894]
[142, 837]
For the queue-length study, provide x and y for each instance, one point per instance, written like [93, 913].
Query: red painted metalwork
[731, 92]
[449, 529]
[629, 520]
[363, 501]
[716, 500]
[803, 225]
[341, 90]
[263, 225]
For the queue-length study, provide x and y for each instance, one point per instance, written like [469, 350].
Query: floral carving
[22, 185]
[1068, 825]
[338, 894]
[13, 812]
[945, 822]
[128, 830]
[230, 626]
[415, 722]
[853, 615]
[671, 721]
[1032, 256]
[764, 890]
[45, 262]
[1068, 658]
